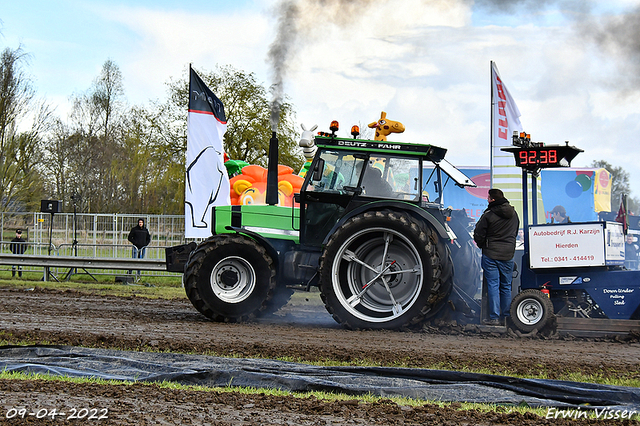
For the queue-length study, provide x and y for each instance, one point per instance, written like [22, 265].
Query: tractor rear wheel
[384, 270]
[230, 277]
[531, 310]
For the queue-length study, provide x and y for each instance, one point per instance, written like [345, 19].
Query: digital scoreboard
[542, 157]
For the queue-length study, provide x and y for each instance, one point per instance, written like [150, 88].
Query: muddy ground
[302, 331]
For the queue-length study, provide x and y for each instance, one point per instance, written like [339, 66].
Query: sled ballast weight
[368, 228]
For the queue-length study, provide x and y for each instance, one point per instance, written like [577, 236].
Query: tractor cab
[348, 175]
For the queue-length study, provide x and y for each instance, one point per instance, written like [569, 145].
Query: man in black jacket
[140, 238]
[18, 246]
[495, 234]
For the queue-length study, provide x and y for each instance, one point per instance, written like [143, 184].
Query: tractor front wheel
[230, 277]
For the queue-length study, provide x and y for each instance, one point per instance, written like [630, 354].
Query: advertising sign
[576, 245]
[614, 243]
[583, 192]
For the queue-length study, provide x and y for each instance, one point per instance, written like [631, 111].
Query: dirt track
[301, 331]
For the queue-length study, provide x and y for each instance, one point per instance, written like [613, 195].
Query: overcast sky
[573, 67]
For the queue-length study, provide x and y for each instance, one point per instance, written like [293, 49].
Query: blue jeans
[498, 275]
[137, 253]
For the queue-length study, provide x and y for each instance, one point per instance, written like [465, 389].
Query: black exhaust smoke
[272, 172]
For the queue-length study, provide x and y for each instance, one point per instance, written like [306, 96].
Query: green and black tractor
[368, 228]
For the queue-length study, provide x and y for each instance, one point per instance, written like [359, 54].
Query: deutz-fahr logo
[387, 146]
[353, 143]
[357, 144]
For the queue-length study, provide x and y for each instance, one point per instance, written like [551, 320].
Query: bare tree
[96, 120]
[120, 159]
[58, 159]
[107, 96]
[20, 153]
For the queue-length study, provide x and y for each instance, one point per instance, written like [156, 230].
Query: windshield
[382, 176]
[392, 177]
[339, 169]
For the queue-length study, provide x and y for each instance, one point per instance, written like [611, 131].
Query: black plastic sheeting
[433, 385]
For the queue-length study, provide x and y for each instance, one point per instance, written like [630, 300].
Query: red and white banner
[506, 116]
[505, 175]
[206, 179]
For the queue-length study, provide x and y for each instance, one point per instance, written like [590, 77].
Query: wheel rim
[358, 262]
[530, 311]
[233, 279]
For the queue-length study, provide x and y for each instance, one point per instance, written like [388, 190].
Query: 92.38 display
[541, 157]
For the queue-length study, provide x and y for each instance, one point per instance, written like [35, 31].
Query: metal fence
[96, 235]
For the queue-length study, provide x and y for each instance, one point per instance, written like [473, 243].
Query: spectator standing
[18, 246]
[495, 234]
[630, 253]
[140, 238]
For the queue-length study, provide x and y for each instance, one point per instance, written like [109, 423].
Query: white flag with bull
[206, 179]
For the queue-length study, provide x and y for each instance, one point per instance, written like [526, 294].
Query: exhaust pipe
[272, 172]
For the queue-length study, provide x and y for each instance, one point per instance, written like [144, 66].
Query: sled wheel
[229, 277]
[383, 270]
[531, 310]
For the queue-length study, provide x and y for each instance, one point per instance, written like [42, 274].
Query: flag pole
[491, 126]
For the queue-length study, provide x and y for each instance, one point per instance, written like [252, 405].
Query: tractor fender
[443, 232]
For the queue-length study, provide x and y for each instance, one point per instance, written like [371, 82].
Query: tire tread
[437, 253]
[196, 262]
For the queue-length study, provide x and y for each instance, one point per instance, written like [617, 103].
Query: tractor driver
[374, 184]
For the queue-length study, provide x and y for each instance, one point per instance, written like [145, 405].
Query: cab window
[339, 169]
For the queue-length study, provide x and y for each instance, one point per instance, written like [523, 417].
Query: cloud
[426, 63]
[435, 79]
[165, 42]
